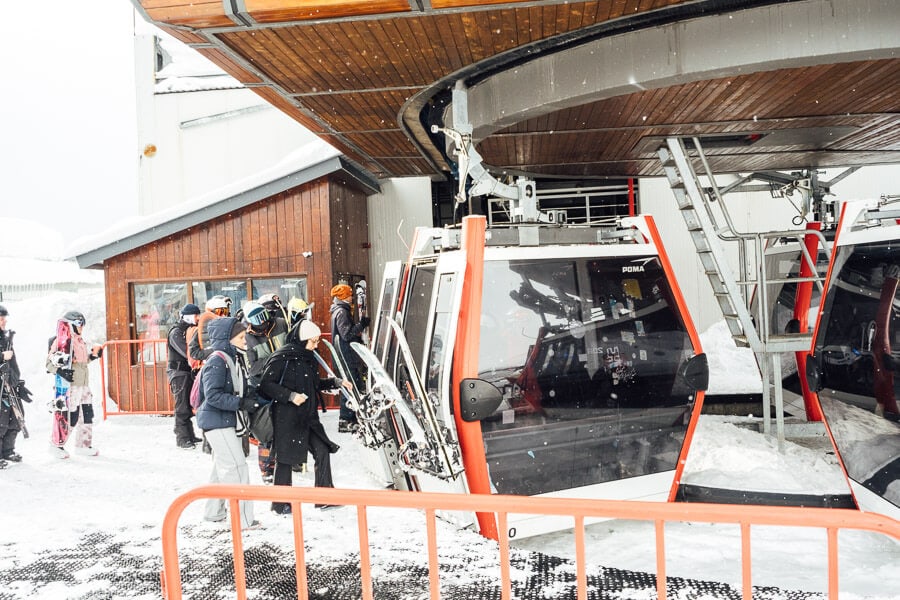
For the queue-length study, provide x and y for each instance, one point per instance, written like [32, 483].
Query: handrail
[579, 509]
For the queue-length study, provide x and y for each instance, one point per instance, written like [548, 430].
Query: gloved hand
[364, 322]
[23, 392]
[248, 404]
[67, 374]
[58, 359]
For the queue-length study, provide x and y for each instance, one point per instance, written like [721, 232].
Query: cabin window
[387, 307]
[284, 287]
[418, 306]
[437, 350]
[858, 351]
[586, 353]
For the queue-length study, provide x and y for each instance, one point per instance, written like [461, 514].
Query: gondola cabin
[538, 359]
[856, 353]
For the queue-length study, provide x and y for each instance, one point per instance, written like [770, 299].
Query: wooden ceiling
[370, 76]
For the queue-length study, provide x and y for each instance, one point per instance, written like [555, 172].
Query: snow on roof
[188, 70]
[115, 239]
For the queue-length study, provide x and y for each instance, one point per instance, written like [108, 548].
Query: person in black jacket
[181, 377]
[291, 379]
[343, 332]
[9, 366]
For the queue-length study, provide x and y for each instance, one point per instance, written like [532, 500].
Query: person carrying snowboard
[68, 359]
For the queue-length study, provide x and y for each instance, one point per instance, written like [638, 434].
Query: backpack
[197, 388]
[195, 364]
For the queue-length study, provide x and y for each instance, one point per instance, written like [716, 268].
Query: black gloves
[364, 322]
[248, 404]
[67, 374]
[23, 392]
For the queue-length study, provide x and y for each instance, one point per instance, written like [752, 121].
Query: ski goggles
[77, 322]
[258, 317]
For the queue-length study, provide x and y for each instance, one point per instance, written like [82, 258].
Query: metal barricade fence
[133, 375]
[746, 516]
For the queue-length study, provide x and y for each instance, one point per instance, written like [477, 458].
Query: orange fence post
[831, 519]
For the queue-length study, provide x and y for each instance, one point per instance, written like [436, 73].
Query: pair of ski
[9, 395]
[428, 447]
[367, 413]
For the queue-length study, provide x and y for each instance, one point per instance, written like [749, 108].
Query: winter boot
[12, 456]
[84, 435]
[3, 464]
[58, 451]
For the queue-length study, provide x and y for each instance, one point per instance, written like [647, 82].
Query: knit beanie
[308, 330]
[342, 291]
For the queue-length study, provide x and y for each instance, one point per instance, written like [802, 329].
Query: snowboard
[62, 351]
[362, 308]
[367, 413]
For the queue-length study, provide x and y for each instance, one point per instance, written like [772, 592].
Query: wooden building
[295, 236]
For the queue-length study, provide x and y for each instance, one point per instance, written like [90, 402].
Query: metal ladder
[734, 293]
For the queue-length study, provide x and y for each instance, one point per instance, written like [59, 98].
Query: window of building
[157, 306]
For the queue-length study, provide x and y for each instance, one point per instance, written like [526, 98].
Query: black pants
[322, 458]
[9, 429]
[180, 383]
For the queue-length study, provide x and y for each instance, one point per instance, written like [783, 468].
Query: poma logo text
[633, 269]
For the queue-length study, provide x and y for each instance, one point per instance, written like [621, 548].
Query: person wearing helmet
[198, 340]
[297, 310]
[79, 400]
[291, 379]
[181, 376]
[273, 304]
[10, 423]
[266, 333]
[343, 332]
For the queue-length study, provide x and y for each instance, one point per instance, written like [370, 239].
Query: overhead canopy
[569, 89]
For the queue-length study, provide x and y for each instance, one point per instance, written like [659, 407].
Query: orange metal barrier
[832, 520]
[133, 374]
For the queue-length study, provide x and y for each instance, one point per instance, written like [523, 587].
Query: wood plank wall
[325, 217]
[267, 238]
[349, 234]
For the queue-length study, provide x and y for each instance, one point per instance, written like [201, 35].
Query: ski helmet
[297, 308]
[3, 311]
[75, 318]
[255, 314]
[270, 301]
[218, 304]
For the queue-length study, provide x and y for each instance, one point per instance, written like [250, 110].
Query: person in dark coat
[343, 332]
[225, 391]
[267, 333]
[9, 366]
[181, 377]
[291, 379]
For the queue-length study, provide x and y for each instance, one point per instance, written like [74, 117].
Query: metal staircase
[699, 206]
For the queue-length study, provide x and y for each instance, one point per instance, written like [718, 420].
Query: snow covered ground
[51, 505]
